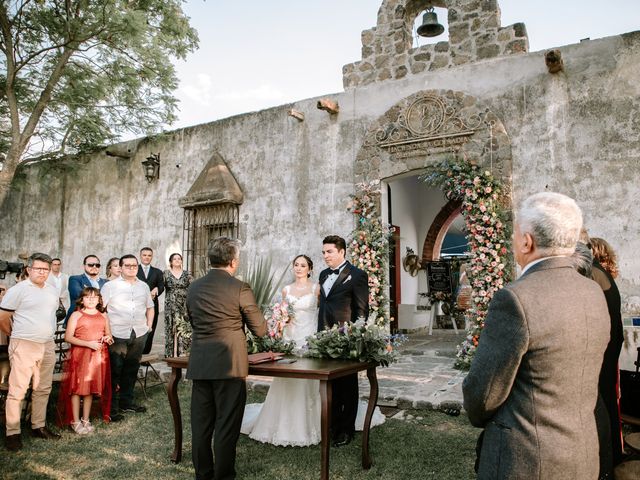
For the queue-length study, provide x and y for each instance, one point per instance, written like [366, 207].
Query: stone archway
[427, 127]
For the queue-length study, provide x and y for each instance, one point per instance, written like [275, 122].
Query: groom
[344, 296]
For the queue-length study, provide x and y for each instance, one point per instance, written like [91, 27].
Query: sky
[256, 54]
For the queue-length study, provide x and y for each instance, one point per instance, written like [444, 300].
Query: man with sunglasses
[90, 278]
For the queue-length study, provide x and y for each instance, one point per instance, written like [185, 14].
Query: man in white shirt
[59, 280]
[130, 309]
[31, 304]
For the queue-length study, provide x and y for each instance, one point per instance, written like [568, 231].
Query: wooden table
[309, 368]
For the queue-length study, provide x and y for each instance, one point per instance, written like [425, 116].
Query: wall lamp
[151, 167]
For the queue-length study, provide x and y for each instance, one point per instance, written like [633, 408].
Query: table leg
[325, 424]
[373, 399]
[174, 402]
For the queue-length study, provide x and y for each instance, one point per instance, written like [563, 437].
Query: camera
[10, 267]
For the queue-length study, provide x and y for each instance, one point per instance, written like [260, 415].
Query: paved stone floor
[423, 378]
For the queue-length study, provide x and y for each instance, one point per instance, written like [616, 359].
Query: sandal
[79, 428]
[87, 425]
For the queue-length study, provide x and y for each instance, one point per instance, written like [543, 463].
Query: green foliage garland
[488, 235]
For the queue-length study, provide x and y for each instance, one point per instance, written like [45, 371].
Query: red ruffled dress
[87, 371]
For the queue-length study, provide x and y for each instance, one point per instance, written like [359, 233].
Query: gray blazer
[219, 307]
[533, 384]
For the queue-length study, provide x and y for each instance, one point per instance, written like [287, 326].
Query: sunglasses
[93, 265]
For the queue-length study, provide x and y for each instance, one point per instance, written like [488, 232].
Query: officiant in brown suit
[219, 307]
[533, 384]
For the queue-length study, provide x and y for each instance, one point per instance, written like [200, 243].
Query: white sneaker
[79, 428]
[87, 425]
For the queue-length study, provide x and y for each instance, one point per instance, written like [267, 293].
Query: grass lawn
[430, 446]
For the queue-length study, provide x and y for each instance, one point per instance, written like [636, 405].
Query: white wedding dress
[290, 415]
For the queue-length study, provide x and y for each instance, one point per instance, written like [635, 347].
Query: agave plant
[263, 281]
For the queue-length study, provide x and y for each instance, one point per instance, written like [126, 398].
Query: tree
[79, 73]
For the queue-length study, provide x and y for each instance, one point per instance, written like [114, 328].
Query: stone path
[423, 378]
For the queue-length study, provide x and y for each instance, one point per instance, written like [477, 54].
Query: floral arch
[461, 147]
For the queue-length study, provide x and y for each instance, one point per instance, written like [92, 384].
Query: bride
[290, 415]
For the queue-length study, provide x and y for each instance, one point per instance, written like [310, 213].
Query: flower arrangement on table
[363, 341]
[277, 316]
[486, 219]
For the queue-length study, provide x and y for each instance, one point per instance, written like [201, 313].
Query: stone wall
[475, 34]
[574, 132]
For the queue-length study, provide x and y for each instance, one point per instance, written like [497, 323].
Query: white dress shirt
[127, 305]
[331, 279]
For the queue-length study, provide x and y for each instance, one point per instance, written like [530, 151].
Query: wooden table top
[310, 368]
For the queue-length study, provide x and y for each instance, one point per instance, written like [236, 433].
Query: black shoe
[116, 417]
[134, 409]
[342, 439]
[44, 432]
[14, 442]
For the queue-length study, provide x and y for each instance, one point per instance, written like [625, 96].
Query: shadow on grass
[433, 446]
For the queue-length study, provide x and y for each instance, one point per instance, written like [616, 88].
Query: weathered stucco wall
[575, 132]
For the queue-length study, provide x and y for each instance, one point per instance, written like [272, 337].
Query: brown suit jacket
[219, 307]
[533, 384]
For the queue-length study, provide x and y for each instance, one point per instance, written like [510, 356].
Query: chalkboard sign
[439, 277]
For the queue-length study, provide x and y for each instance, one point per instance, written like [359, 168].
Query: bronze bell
[430, 26]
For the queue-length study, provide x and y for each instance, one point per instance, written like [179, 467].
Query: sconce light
[151, 167]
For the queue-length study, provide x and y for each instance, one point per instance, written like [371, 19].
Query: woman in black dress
[177, 330]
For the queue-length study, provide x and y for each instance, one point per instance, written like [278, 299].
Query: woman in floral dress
[177, 331]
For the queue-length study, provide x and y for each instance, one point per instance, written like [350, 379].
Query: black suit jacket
[155, 279]
[348, 299]
[219, 307]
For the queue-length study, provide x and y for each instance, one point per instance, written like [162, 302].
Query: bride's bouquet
[362, 341]
[278, 315]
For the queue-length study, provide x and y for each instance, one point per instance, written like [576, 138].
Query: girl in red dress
[87, 371]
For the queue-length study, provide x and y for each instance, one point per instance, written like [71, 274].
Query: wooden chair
[4, 380]
[62, 348]
[146, 363]
[629, 396]
[629, 470]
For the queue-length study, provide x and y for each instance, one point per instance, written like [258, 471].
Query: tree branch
[12, 101]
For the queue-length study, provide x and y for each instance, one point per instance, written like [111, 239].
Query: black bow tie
[335, 272]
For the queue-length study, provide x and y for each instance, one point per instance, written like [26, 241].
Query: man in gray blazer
[533, 384]
[219, 306]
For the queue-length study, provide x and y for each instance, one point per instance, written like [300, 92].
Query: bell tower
[475, 34]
